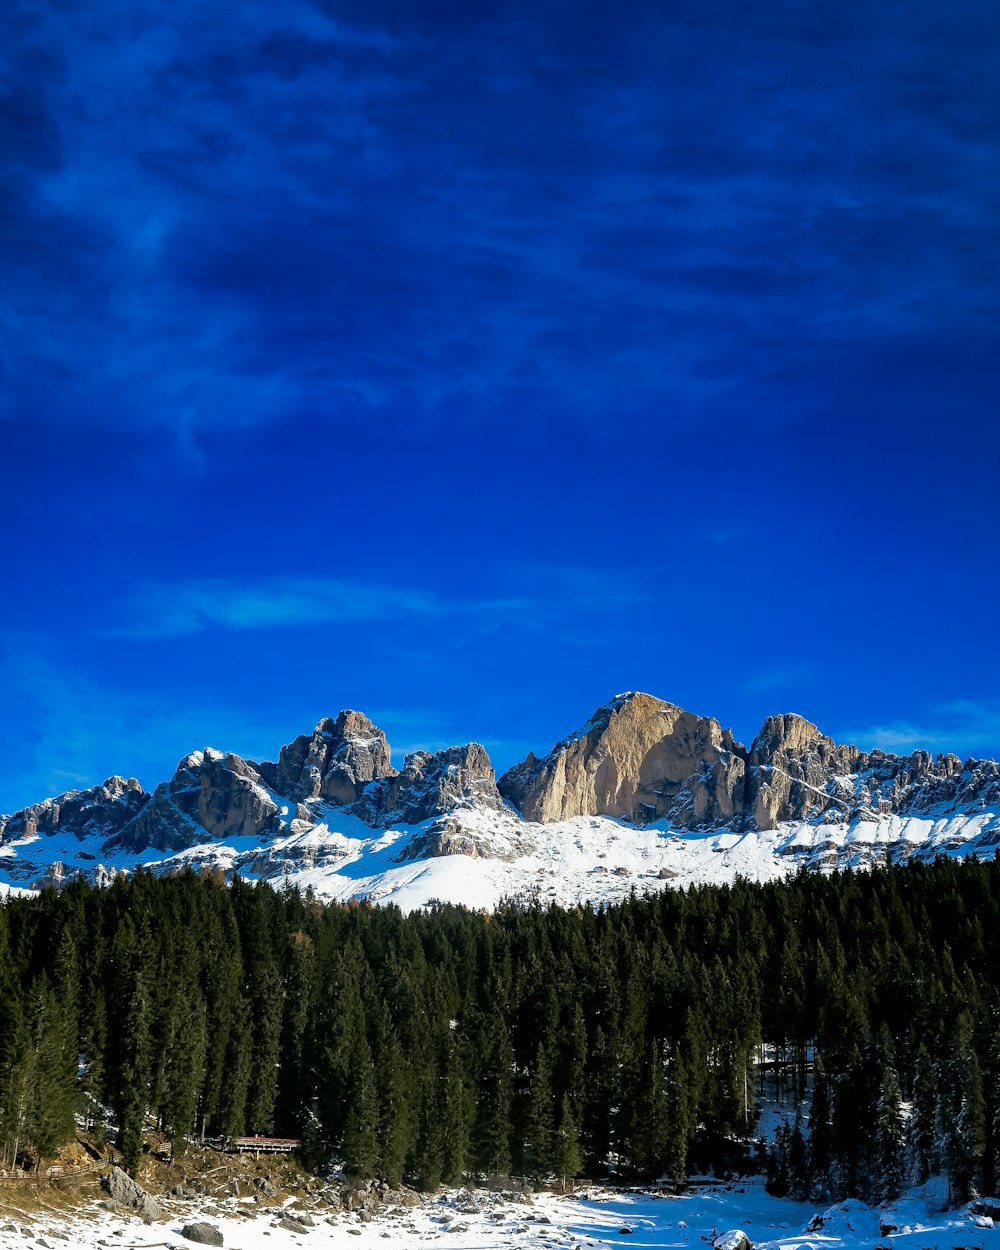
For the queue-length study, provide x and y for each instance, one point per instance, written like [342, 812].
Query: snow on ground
[587, 858]
[483, 1220]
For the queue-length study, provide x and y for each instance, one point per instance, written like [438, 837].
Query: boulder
[204, 1234]
[735, 1239]
[129, 1194]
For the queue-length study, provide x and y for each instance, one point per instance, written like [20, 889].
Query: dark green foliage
[448, 1044]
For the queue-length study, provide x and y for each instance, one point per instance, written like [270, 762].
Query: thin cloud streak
[178, 610]
[961, 727]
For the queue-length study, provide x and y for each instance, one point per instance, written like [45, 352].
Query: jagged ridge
[638, 761]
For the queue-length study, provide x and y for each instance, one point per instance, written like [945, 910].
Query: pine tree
[820, 1156]
[184, 1065]
[889, 1141]
[962, 1113]
[568, 1157]
[265, 1049]
[51, 1120]
[650, 1129]
[923, 1121]
[457, 1115]
[680, 1122]
[128, 1061]
[493, 1118]
[540, 1128]
[360, 1149]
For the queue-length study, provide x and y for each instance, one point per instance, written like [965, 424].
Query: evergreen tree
[820, 1156]
[360, 1148]
[889, 1141]
[493, 1112]
[680, 1122]
[923, 1121]
[128, 1061]
[540, 1134]
[962, 1113]
[265, 1050]
[50, 1120]
[568, 1157]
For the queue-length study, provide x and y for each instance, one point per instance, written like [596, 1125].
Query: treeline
[445, 1044]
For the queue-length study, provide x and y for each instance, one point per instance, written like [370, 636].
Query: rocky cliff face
[637, 758]
[336, 761]
[431, 785]
[794, 772]
[344, 762]
[211, 795]
[643, 759]
[103, 810]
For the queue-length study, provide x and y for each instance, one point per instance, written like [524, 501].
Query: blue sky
[468, 364]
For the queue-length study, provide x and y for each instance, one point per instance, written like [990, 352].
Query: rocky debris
[336, 761]
[204, 1234]
[294, 1223]
[221, 796]
[101, 811]
[640, 759]
[128, 1194]
[431, 785]
[265, 1187]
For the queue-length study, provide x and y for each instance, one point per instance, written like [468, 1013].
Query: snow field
[704, 1215]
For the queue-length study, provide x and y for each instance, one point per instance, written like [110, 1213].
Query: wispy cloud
[174, 610]
[963, 726]
[181, 609]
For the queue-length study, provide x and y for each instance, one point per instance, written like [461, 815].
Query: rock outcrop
[336, 761]
[641, 759]
[432, 785]
[637, 758]
[211, 795]
[102, 811]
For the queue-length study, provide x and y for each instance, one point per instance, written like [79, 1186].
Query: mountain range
[642, 796]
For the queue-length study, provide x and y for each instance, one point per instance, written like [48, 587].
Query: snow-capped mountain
[642, 796]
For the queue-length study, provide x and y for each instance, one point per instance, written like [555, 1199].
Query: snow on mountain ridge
[643, 796]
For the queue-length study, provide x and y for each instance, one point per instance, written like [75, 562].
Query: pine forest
[634, 1042]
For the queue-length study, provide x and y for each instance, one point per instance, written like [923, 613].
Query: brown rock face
[336, 761]
[638, 758]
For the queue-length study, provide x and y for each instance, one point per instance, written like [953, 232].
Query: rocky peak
[211, 793]
[102, 810]
[336, 761]
[432, 784]
[638, 758]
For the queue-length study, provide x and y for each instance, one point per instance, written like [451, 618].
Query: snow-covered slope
[709, 1214]
[479, 856]
[644, 797]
